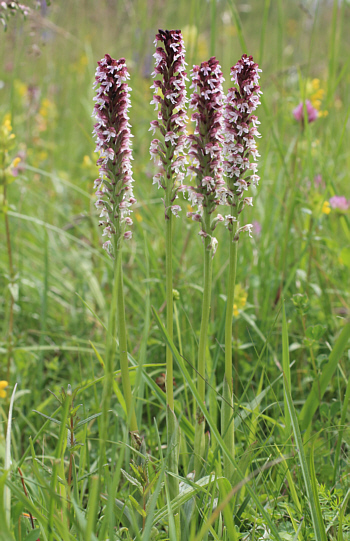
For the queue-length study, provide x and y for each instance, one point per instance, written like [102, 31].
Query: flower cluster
[10, 8]
[8, 167]
[112, 134]
[170, 101]
[206, 145]
[240, 131]
[339, 202]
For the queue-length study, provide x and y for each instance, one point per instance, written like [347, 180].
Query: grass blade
[304, 466]
[7, 465]
[286, 367]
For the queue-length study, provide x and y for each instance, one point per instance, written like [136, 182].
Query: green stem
[12, 276]
[229, 307]
[123, 348]
[117, 310]
[169, 309]
[203, 337]
[171, 421]
[227, 411]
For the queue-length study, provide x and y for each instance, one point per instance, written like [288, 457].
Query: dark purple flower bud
[112, 135]
[170, 99]
[240, 151]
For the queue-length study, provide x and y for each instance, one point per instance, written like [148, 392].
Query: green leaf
[47, 417]
[137, 506]
[315, 332]
[132, 480]
[5, 534]
[312, 401]
[87, 420]
[34, 535]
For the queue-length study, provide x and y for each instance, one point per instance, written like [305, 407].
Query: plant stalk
[169, 309]
[203, 338]
[227, 411]
[171, 421]
[229, 310]
[12, 276]
[123, 348]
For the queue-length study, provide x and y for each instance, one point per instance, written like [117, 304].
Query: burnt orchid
[113, 142]
[170, 101]
[115, 196]
[168, 152]
[206, 148]
[208, 192]
[240, 166]
[240, 149]
[11, 8]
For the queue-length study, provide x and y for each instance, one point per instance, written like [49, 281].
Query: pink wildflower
[298, 112]
[339, 202]
[240, 133]
[206, 143]
[318, 181]
[112, 134]
[168, 152]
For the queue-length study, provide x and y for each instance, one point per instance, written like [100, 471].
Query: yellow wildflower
[240, 299]
[3, 385]
[21, 88]
[326, 207]
[87, 161]
[16, 162]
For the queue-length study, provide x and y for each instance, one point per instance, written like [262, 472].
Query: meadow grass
[291, 314]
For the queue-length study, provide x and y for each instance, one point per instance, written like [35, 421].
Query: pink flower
[339, 202]
[169, 150]
[112, 135]
[205, 145]
[318, 181]
[257, 227]
[298, 112]
[240, 150]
